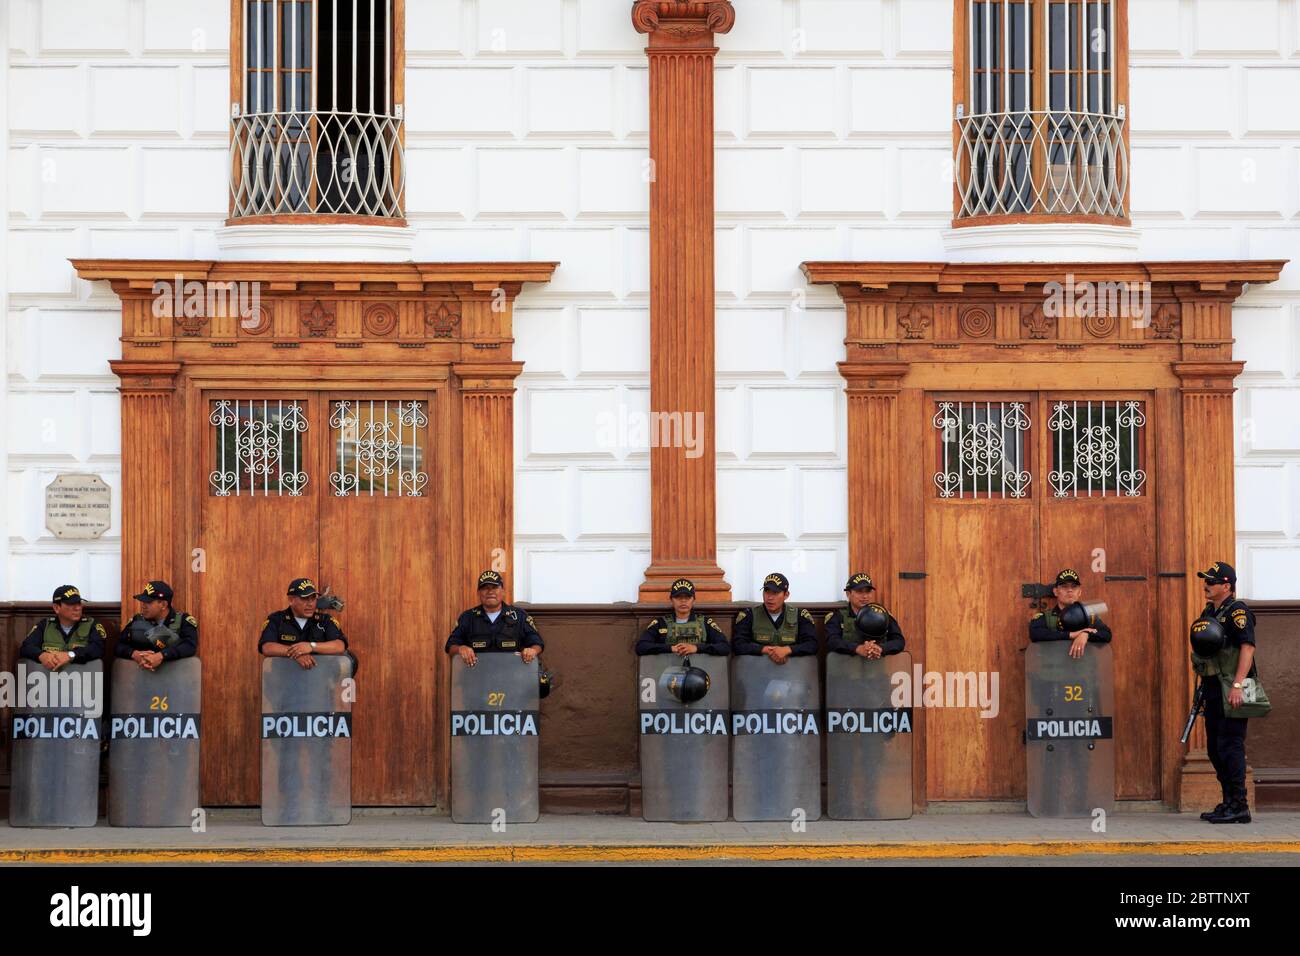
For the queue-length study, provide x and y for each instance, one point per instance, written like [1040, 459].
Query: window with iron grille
[258, 448]
[1097, 449]
[983, 450]
[379, 448]
[317, 130]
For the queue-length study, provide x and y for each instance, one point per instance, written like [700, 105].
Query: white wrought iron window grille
[317, 131]
[379, 448]
[1044, 134]
[983, 450]
[258, 448]
[1097, 449]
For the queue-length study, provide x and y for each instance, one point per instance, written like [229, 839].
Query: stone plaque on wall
[78, 506]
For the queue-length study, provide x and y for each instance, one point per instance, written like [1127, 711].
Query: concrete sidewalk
[235, 836]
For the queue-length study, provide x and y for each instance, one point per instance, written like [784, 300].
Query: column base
[711, 586]
[1199, 787]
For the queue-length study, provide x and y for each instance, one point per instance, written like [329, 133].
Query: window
[259, 447]
[1097, 449]
[1041, 127]
[378, 448]
[983, 450]
[317, 128]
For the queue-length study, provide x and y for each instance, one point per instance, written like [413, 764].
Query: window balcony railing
[1057, 163]
[317, 163]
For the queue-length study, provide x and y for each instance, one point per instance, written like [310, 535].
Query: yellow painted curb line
[639, 853]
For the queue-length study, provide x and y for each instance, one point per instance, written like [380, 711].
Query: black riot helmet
[1207, 637]
[146, 636]
[873, 621]
[1077, 616]
[686, 682]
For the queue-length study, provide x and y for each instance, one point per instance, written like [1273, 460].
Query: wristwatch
[313, 645]
[72, 655]
[1237, 685]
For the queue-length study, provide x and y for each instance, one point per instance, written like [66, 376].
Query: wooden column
[683, 518]
[487, 392]
[148, 449]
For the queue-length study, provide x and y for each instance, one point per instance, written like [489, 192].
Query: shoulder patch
[709, 621]
[741, 616]
[803, 612]
[827, 618]
[1239, 618]
[531, 622]
[100, 629]
[1036, 616]
[189, 619]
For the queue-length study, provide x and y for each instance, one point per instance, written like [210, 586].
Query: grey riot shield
[776, 739]
[54, 779]
[868, 740]
[1069, 744]
[306, 742]
[153, 757]
[494, 725]
[684, 747]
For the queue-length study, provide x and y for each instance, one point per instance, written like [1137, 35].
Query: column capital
[1208, 378]
[145, 376]
[674, 24]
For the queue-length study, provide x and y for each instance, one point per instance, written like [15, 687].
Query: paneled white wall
[527, 138]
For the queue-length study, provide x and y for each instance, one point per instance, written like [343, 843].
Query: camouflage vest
[767, 633]
[53, 639]
[690, 632]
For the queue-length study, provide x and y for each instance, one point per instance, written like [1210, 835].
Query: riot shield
[494, 724]
[1070, 750]
[684, 747]
[868, 740]
[306, 742]
[153, 762]
[776, 739]
[54, 778]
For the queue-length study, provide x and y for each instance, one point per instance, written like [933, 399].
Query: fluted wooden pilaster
[683, 519]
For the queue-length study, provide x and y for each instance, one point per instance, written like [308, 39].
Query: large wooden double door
[337, 487]
[1023, 485]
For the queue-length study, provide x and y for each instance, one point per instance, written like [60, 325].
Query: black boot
[1219, 808]
[1236, 812]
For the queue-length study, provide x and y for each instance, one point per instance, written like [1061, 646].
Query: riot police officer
[300, 630]
[842, 633]
[779, 630]
[683, 631]
[69, 637]
[147, 649]
[1047, 625]
[1225, 736]
[494, 626]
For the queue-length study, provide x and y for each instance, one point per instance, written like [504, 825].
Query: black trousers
[1225, 740]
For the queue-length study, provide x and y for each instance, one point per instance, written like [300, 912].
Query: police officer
[494, 626]
[69, 637]
[1047, 626]
[779, 631]
[683, 631]
[156, 610]
[842, 635]
[1225, 737]
[300, 630]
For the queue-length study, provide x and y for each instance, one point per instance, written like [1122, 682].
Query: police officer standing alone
[1225, 736]
[683, 631]
[842, 633]
[779, 630]
[300, 631]
[1048, 626]
[66, 638]
[494, 626]
[156, 611]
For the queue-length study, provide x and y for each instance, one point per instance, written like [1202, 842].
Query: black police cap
[157, 591]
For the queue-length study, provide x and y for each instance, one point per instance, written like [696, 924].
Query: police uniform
[1047, 626]
[663, 633]
[281, 627]
[840, 625]
[184, 628]
[756, 629]
[84, 641]
[512, 631]
[1225, 737]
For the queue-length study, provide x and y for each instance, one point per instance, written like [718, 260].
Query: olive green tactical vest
[53, 639]
[690, 632]
[766, 633]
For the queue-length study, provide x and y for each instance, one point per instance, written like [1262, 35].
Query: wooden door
[981, 534]
[377, 551]
[1098, 517]
[258, 531]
